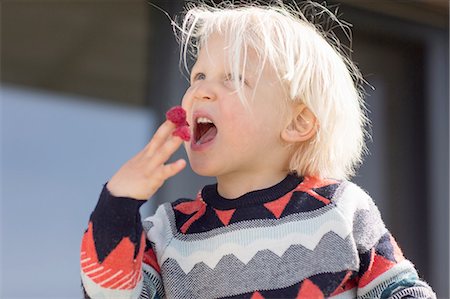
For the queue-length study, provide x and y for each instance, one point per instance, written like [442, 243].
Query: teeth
[204, 120]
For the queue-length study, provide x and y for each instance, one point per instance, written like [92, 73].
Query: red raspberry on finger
[177, 115]
[182, 132]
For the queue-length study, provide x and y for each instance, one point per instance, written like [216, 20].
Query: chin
[203, 171]
[202, 168]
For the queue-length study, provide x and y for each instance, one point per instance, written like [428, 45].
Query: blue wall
[57, 151]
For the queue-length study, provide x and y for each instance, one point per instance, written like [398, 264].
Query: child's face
[239, 140]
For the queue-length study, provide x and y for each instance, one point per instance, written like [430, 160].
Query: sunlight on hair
[300, 44]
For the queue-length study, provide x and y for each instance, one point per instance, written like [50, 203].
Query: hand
[144, 174]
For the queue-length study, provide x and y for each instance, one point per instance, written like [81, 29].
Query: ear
[302, 125]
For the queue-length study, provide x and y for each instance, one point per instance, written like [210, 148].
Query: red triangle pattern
[225, 216]
[189, 207]
[257, 295]
[346, 284]
[378, 267]
[277, 207]
[120, 260]
[309, 290]
[309, 183]
[199, 213]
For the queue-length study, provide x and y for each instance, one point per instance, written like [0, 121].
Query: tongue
[208, 135]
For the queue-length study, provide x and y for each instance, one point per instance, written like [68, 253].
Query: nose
[204, 91]
[201, 91]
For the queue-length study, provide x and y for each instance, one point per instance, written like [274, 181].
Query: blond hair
[309, 61]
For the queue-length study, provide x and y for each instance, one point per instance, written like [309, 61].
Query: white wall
[56, 153]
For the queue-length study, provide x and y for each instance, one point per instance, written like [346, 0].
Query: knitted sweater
[302, 238]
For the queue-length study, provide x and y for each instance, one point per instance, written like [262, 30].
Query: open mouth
[204, 130]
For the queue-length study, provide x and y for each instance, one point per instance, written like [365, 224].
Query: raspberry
[177, 115]
[182, 132]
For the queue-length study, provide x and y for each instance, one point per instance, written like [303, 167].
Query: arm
[116, 260]
[112, 250]
[384, 271]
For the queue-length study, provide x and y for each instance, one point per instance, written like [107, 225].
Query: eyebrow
[192, 75]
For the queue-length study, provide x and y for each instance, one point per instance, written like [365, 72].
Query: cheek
[242, 131]
[237, 117]
[266, 126]
[186, 101]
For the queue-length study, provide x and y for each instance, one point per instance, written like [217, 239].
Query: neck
[235, 185]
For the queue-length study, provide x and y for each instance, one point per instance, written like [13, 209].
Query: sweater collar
[212, 197]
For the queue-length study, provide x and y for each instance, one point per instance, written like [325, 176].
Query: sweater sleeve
[117, 260]
[384, 272]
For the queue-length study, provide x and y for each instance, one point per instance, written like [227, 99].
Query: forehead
[219, 56]
[221, 53]
[217, 50]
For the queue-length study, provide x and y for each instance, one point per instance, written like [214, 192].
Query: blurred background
[85, 83]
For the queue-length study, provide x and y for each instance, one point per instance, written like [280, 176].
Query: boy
[276, 117]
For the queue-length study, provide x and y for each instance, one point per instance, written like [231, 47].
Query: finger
[165, 151]
[164, 172]
[160, 136]
[172, 169]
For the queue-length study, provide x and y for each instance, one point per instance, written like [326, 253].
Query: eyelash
[196, 77]
[228, 78]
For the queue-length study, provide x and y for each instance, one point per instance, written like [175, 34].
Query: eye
[198, 76]
[229, 77]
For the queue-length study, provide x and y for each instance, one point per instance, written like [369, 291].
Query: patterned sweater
[302, 238]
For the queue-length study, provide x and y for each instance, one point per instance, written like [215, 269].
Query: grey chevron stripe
[265, 271]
